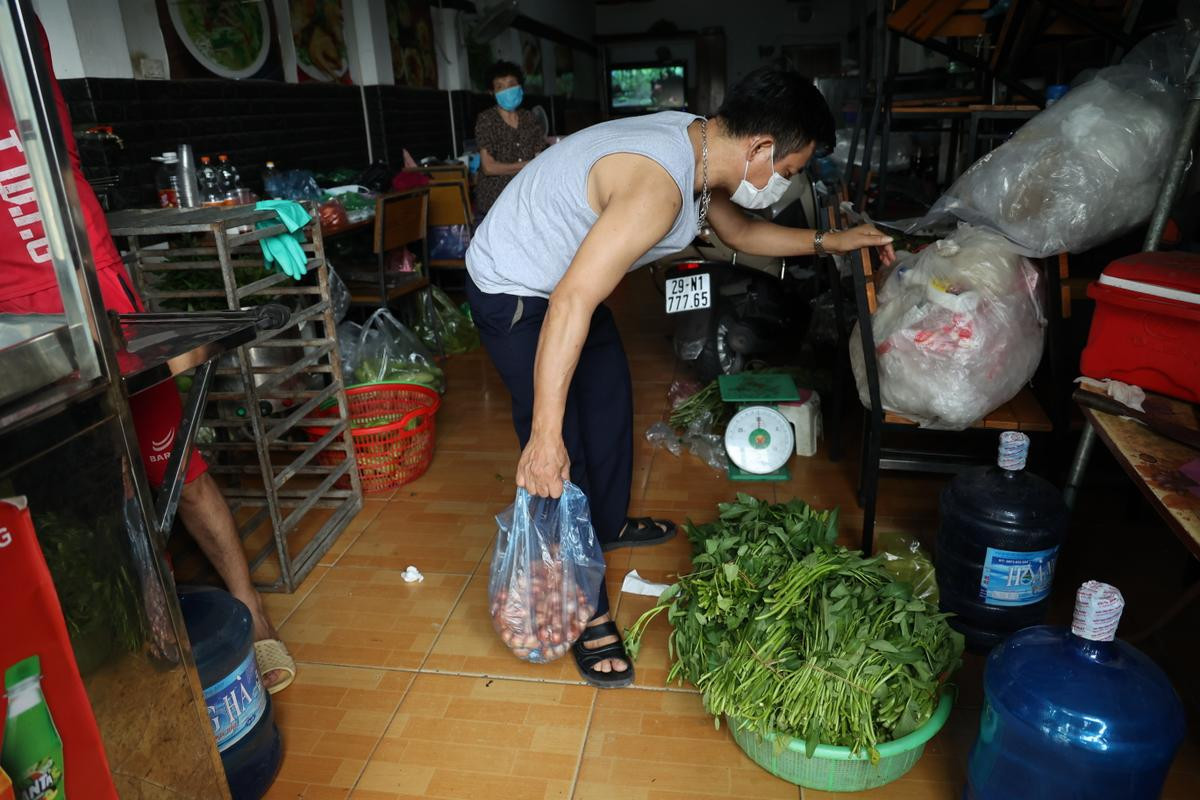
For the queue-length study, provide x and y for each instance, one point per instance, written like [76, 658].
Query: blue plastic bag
[546, 573]
[448, 242]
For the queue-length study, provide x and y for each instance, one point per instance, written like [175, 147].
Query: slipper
[586, 658]
[272, 654]
[641, 532]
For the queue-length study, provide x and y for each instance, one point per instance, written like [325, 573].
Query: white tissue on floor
[412, 575]
[635, 584]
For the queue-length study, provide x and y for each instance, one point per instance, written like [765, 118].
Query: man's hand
[543, 467]
[860, 236]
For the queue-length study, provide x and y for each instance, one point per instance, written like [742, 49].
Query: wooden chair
[401, 220]
[450, 204]
[1023, 413]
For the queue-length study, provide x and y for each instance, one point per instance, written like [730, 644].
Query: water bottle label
[235, 703]
[1016, 578]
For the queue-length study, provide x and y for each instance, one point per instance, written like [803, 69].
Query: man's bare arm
[761, 238]
[638, 203]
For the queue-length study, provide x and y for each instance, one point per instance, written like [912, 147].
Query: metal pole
[1083, 452]
[1179, 161]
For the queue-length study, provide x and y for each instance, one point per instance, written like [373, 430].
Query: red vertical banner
[49, 742]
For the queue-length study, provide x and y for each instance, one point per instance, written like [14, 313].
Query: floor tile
[457, 738]
[651, 745]
[331, 719]
[428, 536]
[470, 644]
[370, 617]
[280, 605]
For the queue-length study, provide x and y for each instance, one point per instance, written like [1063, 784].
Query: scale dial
[759, 440]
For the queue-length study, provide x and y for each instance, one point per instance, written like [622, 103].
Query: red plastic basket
[393, 426]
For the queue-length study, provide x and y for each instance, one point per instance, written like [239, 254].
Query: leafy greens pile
[783, 632]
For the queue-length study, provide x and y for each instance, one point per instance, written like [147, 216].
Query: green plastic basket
[837, 769]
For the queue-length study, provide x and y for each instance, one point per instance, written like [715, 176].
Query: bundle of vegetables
[707, 401]
[395, 370]
[542, 612]
[785, 633]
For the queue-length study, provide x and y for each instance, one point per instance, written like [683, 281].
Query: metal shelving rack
[291, 494]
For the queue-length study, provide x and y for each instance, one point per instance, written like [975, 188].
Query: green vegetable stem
[784, 632]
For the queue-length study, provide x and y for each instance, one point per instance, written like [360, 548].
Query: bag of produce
[546, 573]
[385, 351]
[458, 333]
[958, 331]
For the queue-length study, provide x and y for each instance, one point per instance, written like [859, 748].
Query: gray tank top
[528, 238]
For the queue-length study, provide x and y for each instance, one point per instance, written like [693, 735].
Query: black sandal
[642, 532]
[586, 658]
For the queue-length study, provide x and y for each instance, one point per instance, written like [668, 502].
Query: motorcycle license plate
[688, 293]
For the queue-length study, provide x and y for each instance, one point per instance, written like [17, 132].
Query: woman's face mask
[510, 99]
[750, 196]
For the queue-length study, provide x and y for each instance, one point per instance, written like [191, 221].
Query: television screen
[658, 87]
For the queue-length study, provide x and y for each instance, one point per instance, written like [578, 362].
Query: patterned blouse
[506, 145]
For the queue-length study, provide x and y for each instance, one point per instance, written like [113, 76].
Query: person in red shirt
[28, 286]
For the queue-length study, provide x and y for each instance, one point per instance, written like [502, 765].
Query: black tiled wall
[312, 126]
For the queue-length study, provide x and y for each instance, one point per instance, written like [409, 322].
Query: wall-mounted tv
[647, 87]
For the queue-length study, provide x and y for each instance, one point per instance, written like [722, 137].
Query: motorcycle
[734, 311]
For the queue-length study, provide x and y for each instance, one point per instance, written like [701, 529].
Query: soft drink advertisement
[50, 747]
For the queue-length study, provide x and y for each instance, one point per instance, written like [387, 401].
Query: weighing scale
[759, 440]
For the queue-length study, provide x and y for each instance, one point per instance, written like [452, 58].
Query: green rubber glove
[284, 251]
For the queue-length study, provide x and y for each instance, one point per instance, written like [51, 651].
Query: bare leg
[609, 664]
[206, 517]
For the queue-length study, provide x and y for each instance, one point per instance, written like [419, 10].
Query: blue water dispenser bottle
[1074, 713]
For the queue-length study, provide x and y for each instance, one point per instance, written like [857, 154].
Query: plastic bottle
[270, 176]
[222, 637]
[210, 185]
[32, 753]
[997, 546]
[230, 179]
[166, 181]
[1075, 714]
[6, 787]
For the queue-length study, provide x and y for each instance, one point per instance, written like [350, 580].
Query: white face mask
[750, 196]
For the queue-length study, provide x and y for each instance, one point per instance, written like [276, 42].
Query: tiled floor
[404, 690]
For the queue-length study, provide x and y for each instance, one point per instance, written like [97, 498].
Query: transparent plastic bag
[448, 241]
[339, 296]
[660, 434]
[458, 333]
[545, 576]
[904, 557]
[385, 351]
[706, 445]
[899, 151]
[958, 331]
[1080, 173]
[680, 390]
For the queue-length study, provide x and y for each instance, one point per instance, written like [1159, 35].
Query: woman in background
[508, 136]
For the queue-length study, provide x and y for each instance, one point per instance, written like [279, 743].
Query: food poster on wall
[531, 64]
[319, 34]
[220, 39]
[564, 70]
[410, 33]
[50, 742]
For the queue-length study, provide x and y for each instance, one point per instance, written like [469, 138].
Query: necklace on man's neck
[705, 194]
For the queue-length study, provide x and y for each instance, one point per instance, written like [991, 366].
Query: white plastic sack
[1083, 171]
[899, 151]
[958, 331]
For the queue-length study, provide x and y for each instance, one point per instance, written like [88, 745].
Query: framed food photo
[220, 39]
[319, 35]
[410, 34]
[531, 63]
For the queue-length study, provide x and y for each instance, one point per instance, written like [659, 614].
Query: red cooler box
[1146, 330]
